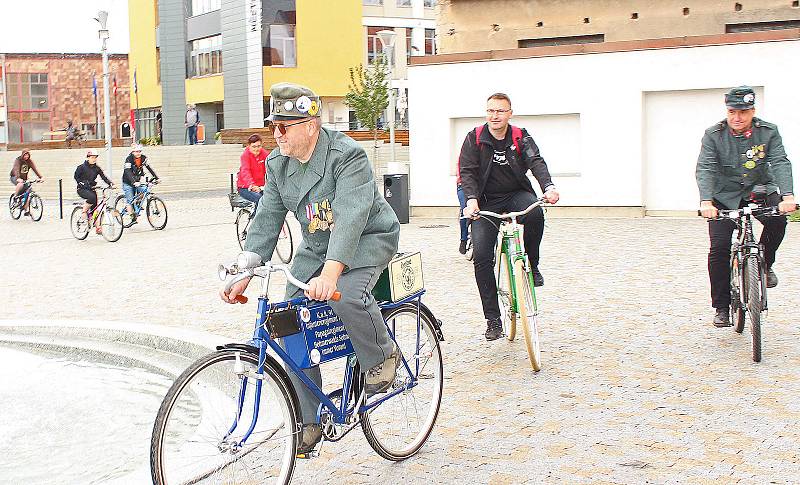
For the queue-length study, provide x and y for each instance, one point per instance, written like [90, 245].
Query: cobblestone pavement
[637, 385]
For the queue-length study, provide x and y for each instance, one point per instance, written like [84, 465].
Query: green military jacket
[334, 196]
[730, 165]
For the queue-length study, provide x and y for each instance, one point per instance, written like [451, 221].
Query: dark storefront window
[28, 107]
[278, 38]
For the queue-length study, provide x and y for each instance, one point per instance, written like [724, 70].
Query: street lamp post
[102, 19]
[387, 38]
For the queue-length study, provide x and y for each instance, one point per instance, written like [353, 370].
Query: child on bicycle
[132, 176]
[86, 176]
[19, 175]
[252, 170]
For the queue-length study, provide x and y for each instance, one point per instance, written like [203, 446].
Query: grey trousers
[362, 319]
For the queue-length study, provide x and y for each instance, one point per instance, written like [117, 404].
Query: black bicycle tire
[422, 438]
[737, 311]
[14, 210]
[270, 369]
[285, 259]
[79, 211]
[110, 213]
[153, 200]
[127, 219]
[32, 201]
[243, 212]
[754, 303]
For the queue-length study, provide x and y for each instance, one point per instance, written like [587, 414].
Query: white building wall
[590, 114]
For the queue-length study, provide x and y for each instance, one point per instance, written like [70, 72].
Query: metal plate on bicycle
[323, 337]
[403, 277]
[283, 323]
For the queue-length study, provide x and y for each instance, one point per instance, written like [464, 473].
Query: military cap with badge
[289, 101]
[742, 97]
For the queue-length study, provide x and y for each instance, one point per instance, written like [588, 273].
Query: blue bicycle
[155, 208]
[233, 415]
[16, 203]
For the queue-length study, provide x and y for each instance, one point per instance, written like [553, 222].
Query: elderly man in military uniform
[737, 154]
[349, 234]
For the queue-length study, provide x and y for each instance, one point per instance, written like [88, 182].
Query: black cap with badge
[742, 97]
[289, 101]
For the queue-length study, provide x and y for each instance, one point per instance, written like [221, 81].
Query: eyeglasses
[254, 145]
[281, 127]
[491, 112]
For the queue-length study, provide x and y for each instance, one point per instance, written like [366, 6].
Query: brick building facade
[44, 91]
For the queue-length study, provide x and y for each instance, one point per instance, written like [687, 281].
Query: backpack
[516, 136]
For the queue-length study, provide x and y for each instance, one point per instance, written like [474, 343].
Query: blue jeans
[131, 191]
[462, 201]
[193, 135]
[253, 197]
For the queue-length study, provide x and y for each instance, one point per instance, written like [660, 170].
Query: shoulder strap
[478, 131]
[516, 136]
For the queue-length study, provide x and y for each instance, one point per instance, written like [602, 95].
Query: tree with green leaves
[368, 94]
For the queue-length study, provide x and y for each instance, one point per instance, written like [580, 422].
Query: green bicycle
[515, 289]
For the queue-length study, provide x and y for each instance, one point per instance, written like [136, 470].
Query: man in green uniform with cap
[737, 154]
[349, 234]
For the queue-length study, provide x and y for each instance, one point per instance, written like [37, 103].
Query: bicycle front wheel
[36, 207]
[198, 433]
[111, 225]
[398, 427]
[505, 296]
[156, 213]
[528, 314]
[79, 224]
[755, 300]
[737, 311]
[285, 247]
[14, 207]
[242, 223]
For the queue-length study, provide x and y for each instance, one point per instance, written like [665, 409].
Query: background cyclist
[19, 175]
[133, 177]
[86, 176]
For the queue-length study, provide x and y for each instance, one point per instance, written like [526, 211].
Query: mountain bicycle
[748, 272]
[110, 221]
[515, 289]
[285, 247]
[233, 415]
[154, 207]
[16, 203]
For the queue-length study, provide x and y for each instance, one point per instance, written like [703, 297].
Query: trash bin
[395, 191]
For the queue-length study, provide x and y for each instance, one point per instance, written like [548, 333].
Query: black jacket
[476, 160]
[132, 173]
[86, 174]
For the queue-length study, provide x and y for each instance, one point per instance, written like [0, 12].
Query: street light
[102, 33]
[387, 38]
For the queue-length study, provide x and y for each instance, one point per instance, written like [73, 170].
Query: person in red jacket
[252, 171]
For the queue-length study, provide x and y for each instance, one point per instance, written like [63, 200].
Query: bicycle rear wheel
[36, 207]
[193, 440]
[156, 213]
[242, 223]
[755, 290]
[285, 247]
[79, 224]
[505, 297]
[528, 314]
[111, 225]
[14, 207]
[737, 311]
[121, 205]
[398, 427]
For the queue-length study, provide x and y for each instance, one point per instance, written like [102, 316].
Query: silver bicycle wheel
[397, 428]
[242, 223]
[193, 440]
[79, 224]
[111, 225]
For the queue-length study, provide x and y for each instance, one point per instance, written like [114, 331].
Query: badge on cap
[303, 104]
[749, 98]
[313, 109]
[288, 106]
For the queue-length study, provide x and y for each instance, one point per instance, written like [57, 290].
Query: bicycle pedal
[311, 454]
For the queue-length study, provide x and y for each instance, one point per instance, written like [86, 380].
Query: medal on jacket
[320, 216]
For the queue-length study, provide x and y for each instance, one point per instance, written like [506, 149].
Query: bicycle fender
[437, 324]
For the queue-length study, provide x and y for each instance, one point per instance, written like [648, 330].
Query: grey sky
[61, 26]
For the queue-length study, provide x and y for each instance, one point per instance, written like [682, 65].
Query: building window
[206, 56]
[551, 41]
[28, 107]
[758, 26]
[200, 7]
[374, 46]
[429, 3]
[145, 125]
[430, 42]
[373, 2]
[403, 3]
[278, 38]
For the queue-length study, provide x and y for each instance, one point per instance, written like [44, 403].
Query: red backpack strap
[516, 136]
[478, 132]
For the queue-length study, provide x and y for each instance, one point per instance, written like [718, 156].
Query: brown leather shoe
[311, 435]
[381, 377]
[722, 318]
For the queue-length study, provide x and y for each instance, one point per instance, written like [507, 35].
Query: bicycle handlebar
[539, 202]
[734, 214]
[249, 264]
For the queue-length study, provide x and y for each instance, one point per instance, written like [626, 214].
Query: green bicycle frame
[511, 245]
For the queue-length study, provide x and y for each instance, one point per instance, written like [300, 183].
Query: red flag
[115, 85]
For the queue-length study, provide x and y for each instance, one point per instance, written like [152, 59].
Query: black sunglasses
[281, 127]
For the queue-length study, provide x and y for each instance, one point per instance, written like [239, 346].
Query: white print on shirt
[499, 157]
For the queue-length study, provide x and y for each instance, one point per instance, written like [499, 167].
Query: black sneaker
[772, 279]
[462, 247]
[310, 436]
[722, 318]
[538, 279]
[494, 329]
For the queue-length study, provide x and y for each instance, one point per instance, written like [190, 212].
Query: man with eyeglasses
[494, 161]
[349, 235]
